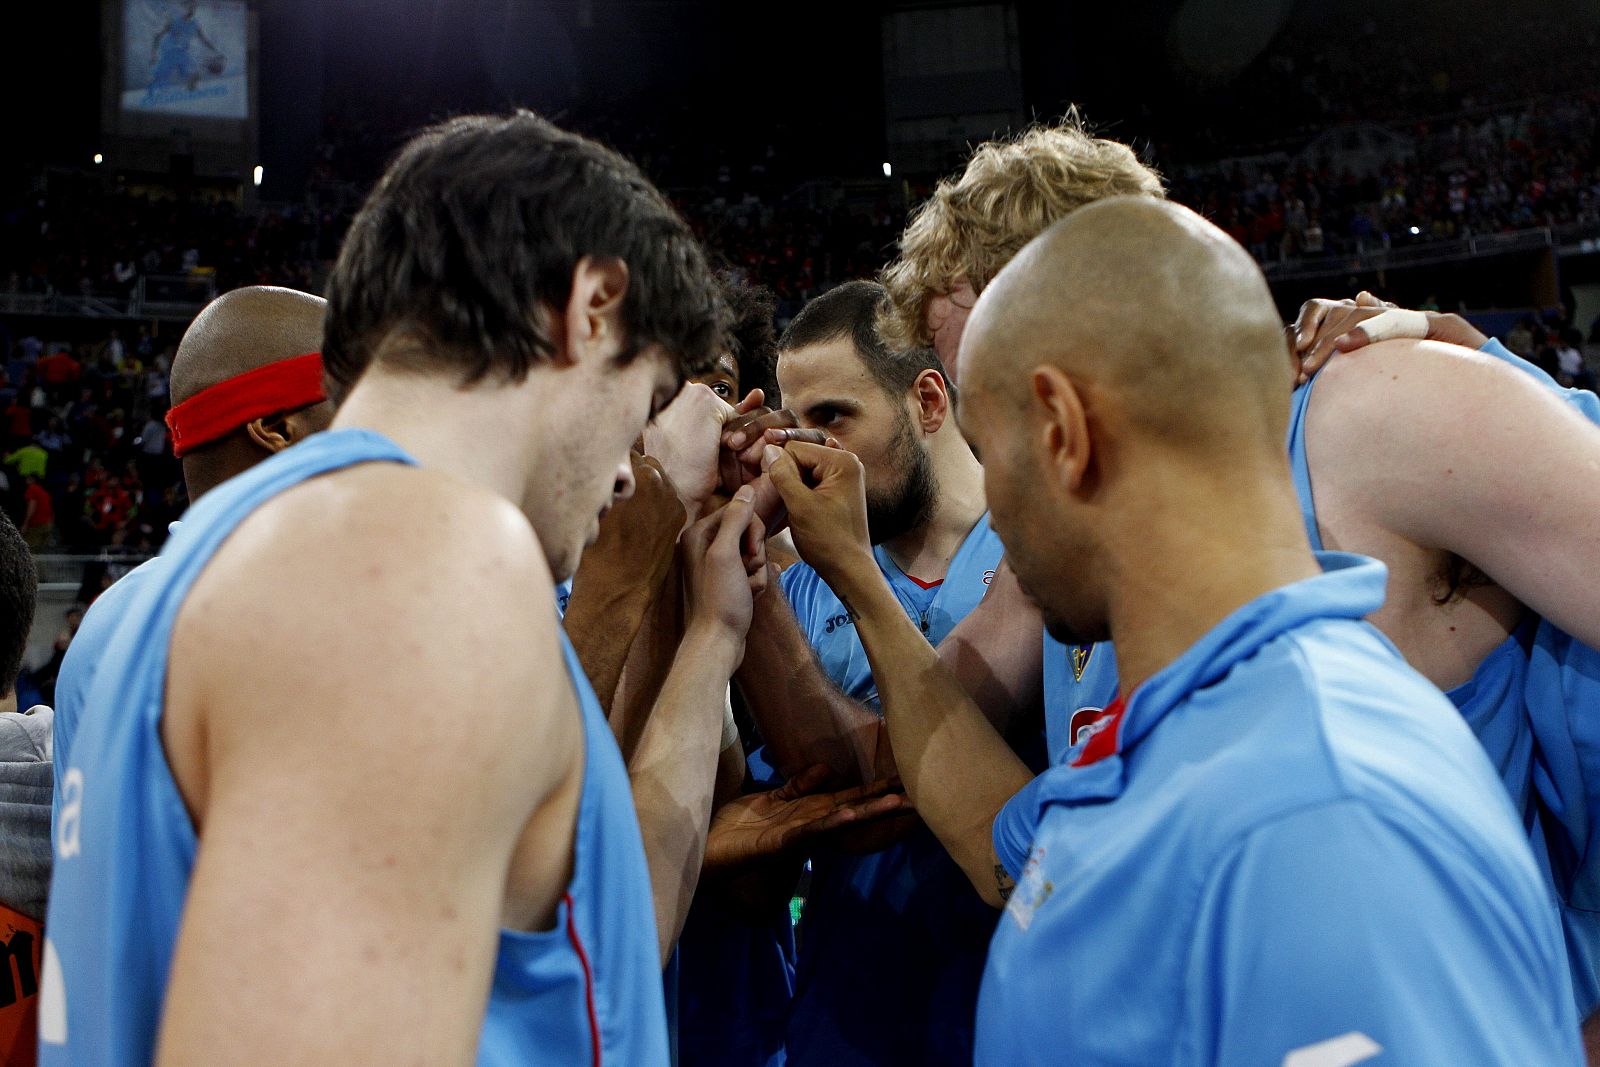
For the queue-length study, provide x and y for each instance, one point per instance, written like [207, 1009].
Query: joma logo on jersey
[835, 623]
[988, 577]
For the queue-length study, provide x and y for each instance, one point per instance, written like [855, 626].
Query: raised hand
[725, 567]
[751, 430]
[824, 491]
[1325, 327]
[686, 438]
[778, 821]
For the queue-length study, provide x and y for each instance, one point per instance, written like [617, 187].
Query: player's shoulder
[378, 587]
[1372, 731]
[393, 522]
[1380, 390]
[383, 548]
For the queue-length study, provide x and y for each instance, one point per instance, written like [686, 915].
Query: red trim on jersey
[1103, 742]
[283, 385]
[588, 975]
[936, 583]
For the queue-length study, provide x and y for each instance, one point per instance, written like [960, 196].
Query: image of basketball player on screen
[170, 52]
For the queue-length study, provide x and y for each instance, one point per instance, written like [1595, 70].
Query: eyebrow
[844, 407]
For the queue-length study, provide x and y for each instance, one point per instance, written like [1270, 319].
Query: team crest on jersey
[1085, 723]
[1080, 660]
[1031, 892]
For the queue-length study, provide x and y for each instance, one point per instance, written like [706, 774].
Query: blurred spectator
[39, 515]
[29, 461]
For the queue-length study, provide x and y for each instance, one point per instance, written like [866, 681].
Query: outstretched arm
[674, 770]
[804, 718]
[957, 768]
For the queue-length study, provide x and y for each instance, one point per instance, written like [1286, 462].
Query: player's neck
[1189, 551]
[926, 551]
[481, 434]
[8, 702]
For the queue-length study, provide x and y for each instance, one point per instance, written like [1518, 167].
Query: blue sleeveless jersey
[88, 648]
[1534, 705]
[125, 847]
[892, 944]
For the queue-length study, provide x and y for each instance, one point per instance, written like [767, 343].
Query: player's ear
[593, 317]
[270, 434]
[1061, 428]
[931, 394]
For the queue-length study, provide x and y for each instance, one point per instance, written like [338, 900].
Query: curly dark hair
[479, 221]
[752, 340]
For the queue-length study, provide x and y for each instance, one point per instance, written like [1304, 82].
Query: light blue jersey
[1534, 705]
[891, 944]
[1285, 842]
[587, 991]
[84, 654]
[1079, 682]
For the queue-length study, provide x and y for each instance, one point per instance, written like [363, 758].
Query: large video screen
[186, 57]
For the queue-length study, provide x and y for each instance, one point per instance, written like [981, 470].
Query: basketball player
[360, 805]
[247, 382]
[1240, 824]
[170, 59]
[1488, 557]
[958, 239]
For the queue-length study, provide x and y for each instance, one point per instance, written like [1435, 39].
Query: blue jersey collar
[1349, 587]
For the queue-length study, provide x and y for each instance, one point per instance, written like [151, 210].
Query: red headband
[285, 385]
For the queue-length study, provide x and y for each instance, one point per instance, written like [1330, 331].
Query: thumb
[780, 466]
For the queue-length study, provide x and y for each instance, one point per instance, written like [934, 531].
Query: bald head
[238, 332]
[1149, 307]
[242, 330]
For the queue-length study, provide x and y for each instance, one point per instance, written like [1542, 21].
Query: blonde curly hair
[1009, 193]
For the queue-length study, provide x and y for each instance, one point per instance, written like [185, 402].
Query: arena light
[257, 174]
[888, 171]
[1416, 231]
[99, 159]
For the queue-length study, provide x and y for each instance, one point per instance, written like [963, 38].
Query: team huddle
[1138, 682]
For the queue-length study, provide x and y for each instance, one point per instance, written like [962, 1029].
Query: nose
[623, 487]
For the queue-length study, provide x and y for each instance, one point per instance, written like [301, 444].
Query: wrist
[851, 573]
[710, 640]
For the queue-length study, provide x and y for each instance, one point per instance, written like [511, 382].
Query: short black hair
[851, 310]
[480, 219]
[19, 586]
[752, 341]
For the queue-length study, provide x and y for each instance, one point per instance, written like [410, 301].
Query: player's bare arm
[1503, 475]
[957, 768]
[621, 575]
[674, 770]
[343, 910]
[995, 655]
